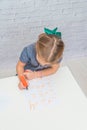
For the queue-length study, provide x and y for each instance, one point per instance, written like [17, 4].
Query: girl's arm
[47, 71]
[38, 74]
[20, 68]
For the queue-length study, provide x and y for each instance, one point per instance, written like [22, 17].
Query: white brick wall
[22, 20]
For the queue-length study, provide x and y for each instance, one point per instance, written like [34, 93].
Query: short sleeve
[24, 56]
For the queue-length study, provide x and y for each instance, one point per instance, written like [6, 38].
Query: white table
[69, 113]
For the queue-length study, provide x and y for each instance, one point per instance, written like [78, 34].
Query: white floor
[78, 67]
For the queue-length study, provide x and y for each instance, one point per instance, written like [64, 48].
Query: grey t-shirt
[28, 56]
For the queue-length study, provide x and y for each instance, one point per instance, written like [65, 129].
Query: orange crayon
[23, 80]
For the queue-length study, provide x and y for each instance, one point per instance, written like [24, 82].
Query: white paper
[41, 93]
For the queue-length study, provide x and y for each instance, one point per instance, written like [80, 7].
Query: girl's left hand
[29, 74]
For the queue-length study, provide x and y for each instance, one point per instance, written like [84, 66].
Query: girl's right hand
[20, 85]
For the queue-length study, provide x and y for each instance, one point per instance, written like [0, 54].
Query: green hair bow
[54, 32]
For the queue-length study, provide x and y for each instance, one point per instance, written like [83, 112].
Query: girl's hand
[20, 85]
[29, 74]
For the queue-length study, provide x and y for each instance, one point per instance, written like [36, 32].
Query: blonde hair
[49, 47]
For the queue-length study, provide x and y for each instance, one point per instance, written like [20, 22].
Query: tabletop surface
[53, 102]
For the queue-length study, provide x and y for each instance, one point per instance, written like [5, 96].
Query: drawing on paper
[41, 94]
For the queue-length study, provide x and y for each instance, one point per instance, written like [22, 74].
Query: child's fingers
[26, 75]
[20, 85]
[28, 70]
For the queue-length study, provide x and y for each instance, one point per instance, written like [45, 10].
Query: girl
[41, 58]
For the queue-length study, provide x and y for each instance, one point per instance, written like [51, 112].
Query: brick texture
[21, 21]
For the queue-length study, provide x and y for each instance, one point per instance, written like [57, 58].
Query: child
[41, 58]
